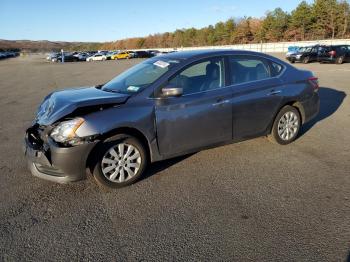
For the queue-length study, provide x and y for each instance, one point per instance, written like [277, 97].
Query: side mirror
[172, 91]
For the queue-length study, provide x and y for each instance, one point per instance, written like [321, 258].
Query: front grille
[49, 170]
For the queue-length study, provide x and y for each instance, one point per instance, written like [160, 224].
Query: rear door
[257, 94]
[202, 116]
[323, 52]
[347, 53]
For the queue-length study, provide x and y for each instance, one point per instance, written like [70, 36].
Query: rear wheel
[339, 60]
[120, 163]
[286, 126]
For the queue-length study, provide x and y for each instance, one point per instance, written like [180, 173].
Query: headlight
[298, 56]
[64, 132]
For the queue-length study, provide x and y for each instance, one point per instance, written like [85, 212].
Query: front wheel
[306, 60]
[286, 126]
[120, 163]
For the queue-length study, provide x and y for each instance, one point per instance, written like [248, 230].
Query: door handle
[221, 102]
[275, 92]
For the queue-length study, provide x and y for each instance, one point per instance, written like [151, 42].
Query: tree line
[322, 19]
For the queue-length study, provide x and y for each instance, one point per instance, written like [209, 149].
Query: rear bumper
[58, 164]
[311, 107]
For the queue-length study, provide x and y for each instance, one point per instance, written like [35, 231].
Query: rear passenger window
[276, 69]
[247, 69]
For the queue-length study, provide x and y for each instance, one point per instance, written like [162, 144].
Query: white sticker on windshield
[133, 88]
[161, 64]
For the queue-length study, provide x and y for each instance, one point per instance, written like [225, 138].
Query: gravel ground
[247, 201]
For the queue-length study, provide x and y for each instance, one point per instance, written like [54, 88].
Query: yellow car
[121, 55]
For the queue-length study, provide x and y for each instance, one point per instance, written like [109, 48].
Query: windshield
[139, 76]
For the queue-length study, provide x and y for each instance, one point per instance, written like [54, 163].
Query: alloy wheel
[288, 126]
[121, 163]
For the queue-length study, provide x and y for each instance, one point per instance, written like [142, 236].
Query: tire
[292, 61]
[112, 171]
[289, 120]
[339, 60]
[306, 60]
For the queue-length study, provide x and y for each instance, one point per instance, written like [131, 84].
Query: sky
[108, 20]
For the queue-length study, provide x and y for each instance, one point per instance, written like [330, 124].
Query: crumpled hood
[61, 103]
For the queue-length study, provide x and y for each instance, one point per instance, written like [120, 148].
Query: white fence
[267, 47]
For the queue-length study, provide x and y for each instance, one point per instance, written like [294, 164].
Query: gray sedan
[164, 107]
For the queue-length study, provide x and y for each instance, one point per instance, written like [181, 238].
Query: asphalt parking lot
[251, 201]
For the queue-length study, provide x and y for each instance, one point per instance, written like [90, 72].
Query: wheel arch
[295, 104]
[117, 134]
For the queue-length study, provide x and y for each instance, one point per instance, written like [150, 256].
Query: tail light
[332, 53]
[314, 83]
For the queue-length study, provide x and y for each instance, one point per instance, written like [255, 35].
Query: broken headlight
[64, 132]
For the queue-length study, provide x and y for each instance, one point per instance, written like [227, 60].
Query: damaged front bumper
[50, 161]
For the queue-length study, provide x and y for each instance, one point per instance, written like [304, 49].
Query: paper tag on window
[133, 88]
[161, 64]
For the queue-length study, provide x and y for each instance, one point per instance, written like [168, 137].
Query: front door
[202, 116]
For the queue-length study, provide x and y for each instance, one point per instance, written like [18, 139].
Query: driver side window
[200, 77]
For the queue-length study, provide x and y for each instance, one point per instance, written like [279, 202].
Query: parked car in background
[121, 55]
[153, 52]
[143, 54]
[97, 57]
[8, 54]
[91, 53]
[53, 57]
[50, 56]
[110, 54]
[305, 54]
[12, 54]
[292, 50]
[161, 53]
[82, 56]
[166, 107]
[132, 54]
[103, 52]
[68, 57]
[335, 54]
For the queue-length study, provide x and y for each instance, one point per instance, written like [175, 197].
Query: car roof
[181, 55]
[339, 45]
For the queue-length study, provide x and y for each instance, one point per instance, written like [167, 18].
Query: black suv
[336, 54]
[143, 54]
[306, 54]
